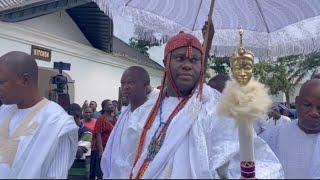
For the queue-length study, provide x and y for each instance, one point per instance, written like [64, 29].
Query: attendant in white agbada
[154, 92]
[38, 139]
[275, 118]
[266, 122]
[179, 135]
[259, 125]
[297, 145]
[274, 122]
[118, 155]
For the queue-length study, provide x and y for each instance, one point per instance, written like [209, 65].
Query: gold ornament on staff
[242, 63]
[244, 100]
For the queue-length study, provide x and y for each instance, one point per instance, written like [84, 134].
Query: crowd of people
[94, 130]
[170, 132]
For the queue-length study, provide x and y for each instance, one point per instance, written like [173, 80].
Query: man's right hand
[81, 150]
[100, 152]
[85, 104]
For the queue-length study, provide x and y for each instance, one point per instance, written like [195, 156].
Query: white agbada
[154, 93]
[118, 156]
[270, 122]
[198, 144]
[265, 123]
[298, 152]
[46, 148]
[260, 124]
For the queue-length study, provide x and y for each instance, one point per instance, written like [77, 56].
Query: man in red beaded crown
[181, 136]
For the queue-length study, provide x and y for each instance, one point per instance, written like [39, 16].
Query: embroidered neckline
[9, 143]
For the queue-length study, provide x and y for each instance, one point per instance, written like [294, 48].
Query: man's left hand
[208, 28]
[207, 33]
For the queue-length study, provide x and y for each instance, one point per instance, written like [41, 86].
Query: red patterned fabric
[104, 127]
[182, 40]
[247, 169]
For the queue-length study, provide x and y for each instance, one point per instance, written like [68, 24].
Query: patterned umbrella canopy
[273, 27]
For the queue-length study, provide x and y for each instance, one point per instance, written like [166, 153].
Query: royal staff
[244, 100]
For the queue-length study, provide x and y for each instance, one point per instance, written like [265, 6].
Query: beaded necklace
[156, 143]
[178, 41]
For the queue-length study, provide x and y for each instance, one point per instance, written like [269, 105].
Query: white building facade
[96, 74]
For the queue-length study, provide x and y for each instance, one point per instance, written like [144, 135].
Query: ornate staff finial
[241, 37]
[241, 52]
[238, 61]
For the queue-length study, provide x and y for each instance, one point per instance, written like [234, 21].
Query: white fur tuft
[244, 102]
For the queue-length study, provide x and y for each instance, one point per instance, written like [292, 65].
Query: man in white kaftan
[38, 139]
[275, 118]
[197, 144]
[48, 151]
[271, 122]
[297, 145]
[124, 136]
[265, 123]
[298, 152]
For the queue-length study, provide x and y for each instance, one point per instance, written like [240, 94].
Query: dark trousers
[95, 169]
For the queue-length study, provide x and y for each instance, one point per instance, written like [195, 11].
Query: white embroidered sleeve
[64, 156]
[271, 137]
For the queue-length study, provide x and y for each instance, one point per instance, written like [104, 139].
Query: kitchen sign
[41, 53]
